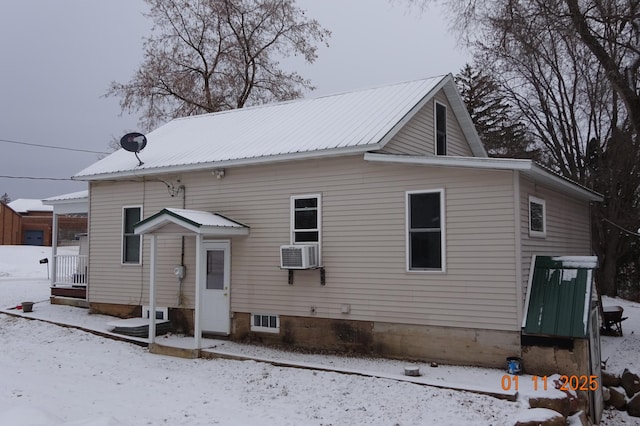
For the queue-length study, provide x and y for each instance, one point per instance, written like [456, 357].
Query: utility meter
[179, 271]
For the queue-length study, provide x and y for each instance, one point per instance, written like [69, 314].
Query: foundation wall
[451, 345]
[486, 348]
[544, 361]
[441, 344]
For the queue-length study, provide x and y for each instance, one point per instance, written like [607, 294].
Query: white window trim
[540, 201]
[122, 262]
[443, 239]
[262, 329]
[435, 128]
[318, 196]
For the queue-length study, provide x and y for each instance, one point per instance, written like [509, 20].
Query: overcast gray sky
[57, 59]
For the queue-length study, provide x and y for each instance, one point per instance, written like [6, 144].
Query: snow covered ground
[54, 375]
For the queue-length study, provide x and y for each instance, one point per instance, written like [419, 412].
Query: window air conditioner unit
[299, 257]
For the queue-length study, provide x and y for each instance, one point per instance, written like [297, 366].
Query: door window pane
[215, 269]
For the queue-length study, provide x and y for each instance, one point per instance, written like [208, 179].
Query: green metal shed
[559, 296]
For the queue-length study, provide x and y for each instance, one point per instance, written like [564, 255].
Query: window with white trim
[537, 217]
[265, 323]
[131, 243]
[425, 230]
[441, 128]
[305, 219]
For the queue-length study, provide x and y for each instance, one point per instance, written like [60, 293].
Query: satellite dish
[134, 142]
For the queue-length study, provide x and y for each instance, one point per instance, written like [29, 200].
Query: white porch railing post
[70, 270]
[197, 327]
[152, 290]
[54, 248]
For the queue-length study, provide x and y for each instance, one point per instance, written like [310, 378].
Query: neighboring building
[401, 237]
[9, 226]
[37, 223]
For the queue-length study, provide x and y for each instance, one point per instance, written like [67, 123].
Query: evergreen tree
[502, 135]
[5, 199]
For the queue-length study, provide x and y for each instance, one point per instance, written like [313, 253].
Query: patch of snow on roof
[24, 205]
[70, 196]
[586, 262]
[347, 122]
[205, 218]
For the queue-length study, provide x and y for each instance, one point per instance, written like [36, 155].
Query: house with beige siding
[371, 221]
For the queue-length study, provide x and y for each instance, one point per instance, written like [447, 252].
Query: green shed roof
[559, 296]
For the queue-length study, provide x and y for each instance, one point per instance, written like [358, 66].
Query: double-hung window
[537, 217]
[425, 230]
[131, 243]
[441, 128]
[305, 219]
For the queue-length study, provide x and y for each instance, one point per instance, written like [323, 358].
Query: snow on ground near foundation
[53, 375]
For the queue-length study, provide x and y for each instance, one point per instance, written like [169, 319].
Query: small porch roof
[73, 202]
[181, 221]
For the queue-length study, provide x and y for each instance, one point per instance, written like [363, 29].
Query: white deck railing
[71, 269]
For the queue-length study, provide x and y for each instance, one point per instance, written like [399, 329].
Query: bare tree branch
[211, 55]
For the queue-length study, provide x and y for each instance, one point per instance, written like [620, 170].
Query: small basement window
[266, 323]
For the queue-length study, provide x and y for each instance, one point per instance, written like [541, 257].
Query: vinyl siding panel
[568, 227]
[418, 136]
[363, 242]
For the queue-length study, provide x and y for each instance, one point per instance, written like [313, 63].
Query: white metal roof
[331, 125]
[67, 197]
[73, 202]
[24, 205]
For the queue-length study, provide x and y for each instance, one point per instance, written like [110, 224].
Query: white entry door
[215, 301]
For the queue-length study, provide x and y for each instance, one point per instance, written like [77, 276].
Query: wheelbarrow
[612, 320]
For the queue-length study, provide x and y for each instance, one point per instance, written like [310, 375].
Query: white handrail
[71, 269]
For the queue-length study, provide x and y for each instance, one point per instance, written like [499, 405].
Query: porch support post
[152, 291]
[197, 327]
[54, 248]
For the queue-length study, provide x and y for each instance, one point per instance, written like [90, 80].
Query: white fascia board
[472, 162]
[541, 174]
[223, 231]
[134, 173]
[526, 167]
[464, 119]
[71, 208]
